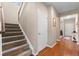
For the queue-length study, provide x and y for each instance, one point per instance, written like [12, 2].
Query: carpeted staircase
[14, 42]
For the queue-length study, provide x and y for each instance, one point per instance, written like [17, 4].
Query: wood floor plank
[62, 48]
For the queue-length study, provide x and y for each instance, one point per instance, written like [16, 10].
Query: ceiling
[63, 6]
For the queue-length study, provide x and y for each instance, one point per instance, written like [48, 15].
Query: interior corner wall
[28, 22]
[10, 12]
[53, 31]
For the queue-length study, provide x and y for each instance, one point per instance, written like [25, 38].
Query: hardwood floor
[62, 48]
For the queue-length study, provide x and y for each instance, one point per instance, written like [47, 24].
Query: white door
[42, 30]
[69, 27]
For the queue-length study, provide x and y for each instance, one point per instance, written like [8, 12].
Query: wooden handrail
[20, 8]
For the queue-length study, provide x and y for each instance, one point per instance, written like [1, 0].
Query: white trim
[21, 8]
[46, 46]
[52, 45]
[30, 45]
[49, 46]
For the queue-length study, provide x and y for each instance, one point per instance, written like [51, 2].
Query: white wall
[53, 31]
[29, 22]
[10, 12]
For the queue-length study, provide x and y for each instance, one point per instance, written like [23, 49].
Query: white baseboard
[46, 46]
[51, 45]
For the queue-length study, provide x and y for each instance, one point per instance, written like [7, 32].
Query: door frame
[65, 27]
[66, 16]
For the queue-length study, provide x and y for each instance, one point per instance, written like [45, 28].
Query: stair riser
[17, 51]
[14, 27]
[12, 34]
[8, 28]
[12, 39]
[11, 24]
[12, 30]
[12, 45]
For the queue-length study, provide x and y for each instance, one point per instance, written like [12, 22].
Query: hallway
[63, 47]
[33, 28]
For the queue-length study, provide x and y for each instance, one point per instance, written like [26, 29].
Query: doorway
[69, 27]
[68, 24]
